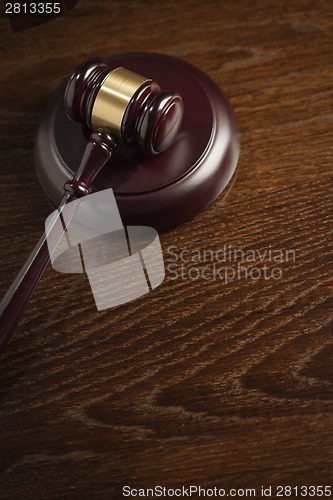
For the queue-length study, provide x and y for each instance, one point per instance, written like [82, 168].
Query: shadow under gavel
[116, 104]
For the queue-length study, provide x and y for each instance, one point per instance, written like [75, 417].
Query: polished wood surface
[200, 382]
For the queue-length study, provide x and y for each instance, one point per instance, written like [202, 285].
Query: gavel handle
[21, 290]
[12, 306]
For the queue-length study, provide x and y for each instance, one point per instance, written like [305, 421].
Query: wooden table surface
[201, 382]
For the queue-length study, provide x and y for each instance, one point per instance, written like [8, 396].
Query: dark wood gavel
[116, 104]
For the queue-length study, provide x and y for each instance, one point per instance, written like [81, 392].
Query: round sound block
[159, 191]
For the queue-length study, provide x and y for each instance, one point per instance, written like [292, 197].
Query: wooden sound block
[159, 191]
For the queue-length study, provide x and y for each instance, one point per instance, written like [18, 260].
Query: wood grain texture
[199, 382]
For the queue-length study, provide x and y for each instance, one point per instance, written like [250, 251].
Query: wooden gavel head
[125, 104]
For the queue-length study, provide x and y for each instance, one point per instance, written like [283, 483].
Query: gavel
[117, 105]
